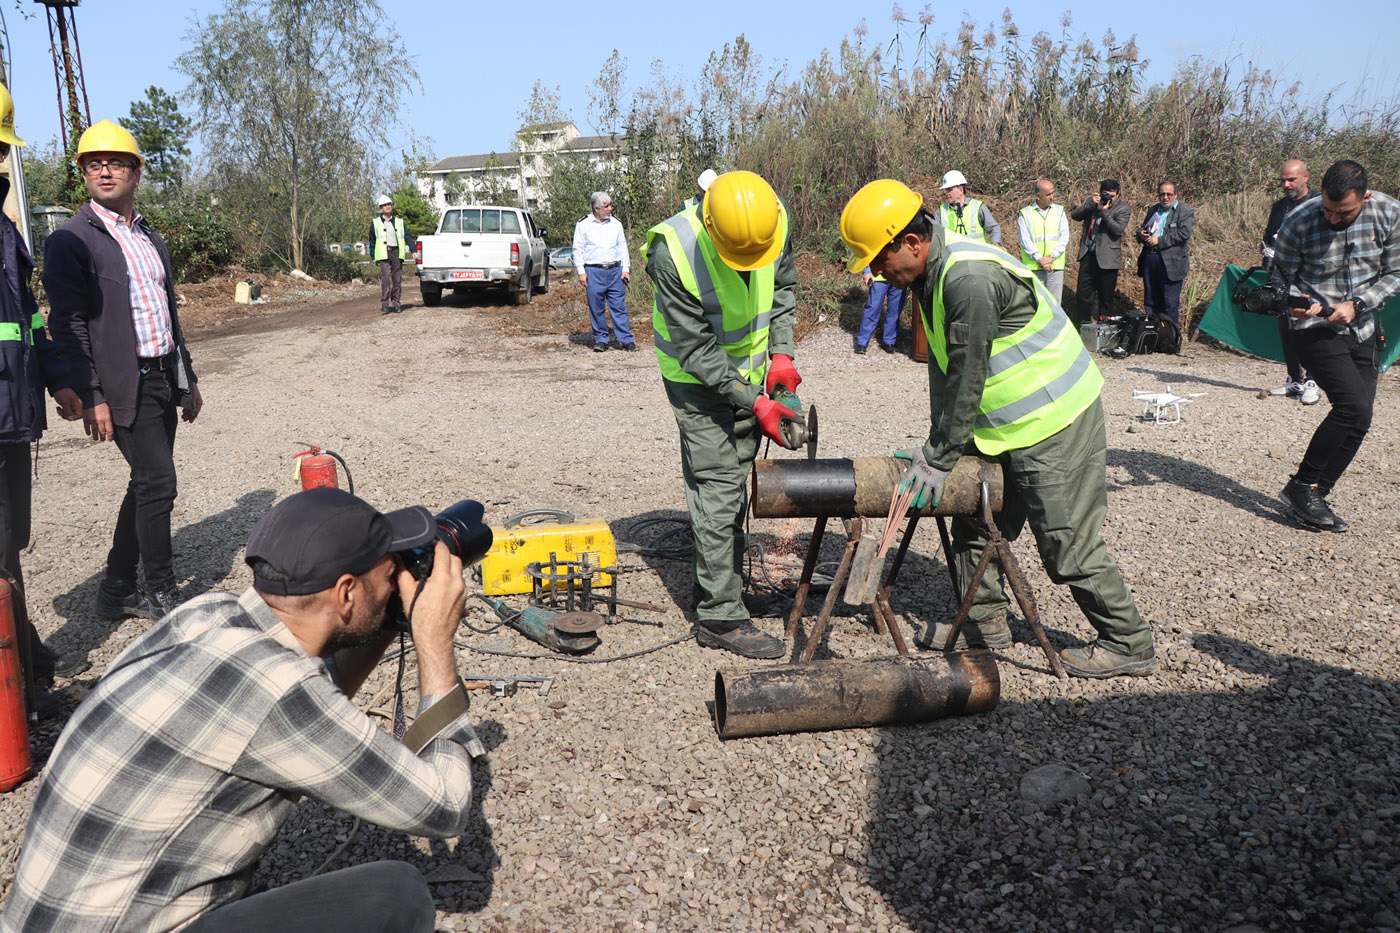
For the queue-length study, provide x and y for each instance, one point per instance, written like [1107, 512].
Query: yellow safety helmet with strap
[744, 220]
[106, 136]
[7, 118]
[874, 216]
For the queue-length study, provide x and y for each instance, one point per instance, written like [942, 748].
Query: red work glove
[770, 415]
[782, 372]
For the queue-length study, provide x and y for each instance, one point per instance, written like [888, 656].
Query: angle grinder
[795, 432]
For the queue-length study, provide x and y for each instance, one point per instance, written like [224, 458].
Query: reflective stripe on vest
[381, 249]
[971, 222]
[736, 313]
[1042, 234]
[1039, 379]
[13, 331]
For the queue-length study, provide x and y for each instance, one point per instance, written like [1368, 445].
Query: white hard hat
[953, 179]
[706, 178]
[382, 200]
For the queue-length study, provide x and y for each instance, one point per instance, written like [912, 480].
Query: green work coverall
[718, 431]
[1058, 485]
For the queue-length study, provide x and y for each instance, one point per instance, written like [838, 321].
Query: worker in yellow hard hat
[1009, 380]
[724, 282]
[29, 363]
[111, 288]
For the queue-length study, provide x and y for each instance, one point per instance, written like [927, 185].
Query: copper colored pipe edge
[854, 693]
[862, 486]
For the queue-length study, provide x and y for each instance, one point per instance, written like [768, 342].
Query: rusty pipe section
[864, 486]
[850, 694]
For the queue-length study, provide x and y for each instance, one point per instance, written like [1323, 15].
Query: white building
[522, 171]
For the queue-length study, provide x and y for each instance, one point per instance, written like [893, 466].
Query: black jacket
[1172, 243]
[86, 280]
[29, 363]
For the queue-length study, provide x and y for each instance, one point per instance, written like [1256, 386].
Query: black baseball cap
[315, 536]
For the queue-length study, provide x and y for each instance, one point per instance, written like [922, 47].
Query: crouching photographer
[176, 772]
[1340, 252]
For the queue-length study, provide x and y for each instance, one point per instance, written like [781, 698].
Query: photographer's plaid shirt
[176, 772]
[1362, 261]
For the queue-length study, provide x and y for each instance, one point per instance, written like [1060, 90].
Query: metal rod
[846, 694]
[863, 486]
[804, 586]
[853, 527]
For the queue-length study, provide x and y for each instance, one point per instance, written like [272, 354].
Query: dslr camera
[1270, 298]
[462, 528]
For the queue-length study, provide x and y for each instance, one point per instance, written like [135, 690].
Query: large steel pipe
[849, 694]
[863, 486]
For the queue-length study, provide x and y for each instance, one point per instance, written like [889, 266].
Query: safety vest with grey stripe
[1039, 379]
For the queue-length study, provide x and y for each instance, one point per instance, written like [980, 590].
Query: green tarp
[1258, 333]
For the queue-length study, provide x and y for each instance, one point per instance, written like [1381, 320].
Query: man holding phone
[1105, 217]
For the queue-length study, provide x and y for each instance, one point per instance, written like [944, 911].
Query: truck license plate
[469, 274]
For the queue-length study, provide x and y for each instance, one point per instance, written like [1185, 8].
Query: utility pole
[74, 115]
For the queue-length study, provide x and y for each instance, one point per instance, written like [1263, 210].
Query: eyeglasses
[117, 167]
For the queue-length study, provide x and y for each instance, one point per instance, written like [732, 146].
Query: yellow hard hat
[7, 118]
[743, 217]
[106, 136]
[874, 216]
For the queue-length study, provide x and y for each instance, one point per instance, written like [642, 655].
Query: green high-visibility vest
[13, 330]
[1045, 232]
[1039, 379]
[381, 249]
[738, 313]
[971, 222]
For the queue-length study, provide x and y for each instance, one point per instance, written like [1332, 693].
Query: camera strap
[438, 718]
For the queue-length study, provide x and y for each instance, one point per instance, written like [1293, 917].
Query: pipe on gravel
[848, 694]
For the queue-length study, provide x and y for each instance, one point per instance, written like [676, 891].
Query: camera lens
[464, 532]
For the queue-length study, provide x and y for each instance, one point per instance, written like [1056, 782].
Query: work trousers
[1058, 486]
[1054, 282]
[16, 488]
[882, 297]
[380, 897]
[391, 277]
[1094, 284]
[1160, 295]
[1346, 370]
[718, 447]
[606, 295]
[142, 535]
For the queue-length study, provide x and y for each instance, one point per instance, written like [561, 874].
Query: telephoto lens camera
[463, 529]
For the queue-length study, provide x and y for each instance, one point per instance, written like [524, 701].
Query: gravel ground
[1250, 784]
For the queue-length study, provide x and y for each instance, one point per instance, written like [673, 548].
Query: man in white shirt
[604, 267]
[1044, 230]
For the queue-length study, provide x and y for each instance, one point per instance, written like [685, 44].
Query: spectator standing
[178, 769]
[1341, 251]
[1043, 228]
[390, 247]
[1293, 177]
[111, 291]
[604, 267]
[28, 363]
[880, 296]
[1164, 262]
[1105, 216]
[965, 215]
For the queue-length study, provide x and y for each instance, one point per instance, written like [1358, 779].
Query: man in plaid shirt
[176, 772]
[1341, 252]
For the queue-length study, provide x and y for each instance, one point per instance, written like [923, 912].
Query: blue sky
[478, 61]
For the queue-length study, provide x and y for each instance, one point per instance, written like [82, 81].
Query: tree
[295, 111]
[161, 133]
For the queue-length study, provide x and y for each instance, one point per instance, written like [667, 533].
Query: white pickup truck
[480, 246]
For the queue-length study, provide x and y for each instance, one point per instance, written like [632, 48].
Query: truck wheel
[525, 291]
[544, 281]
[432, 295]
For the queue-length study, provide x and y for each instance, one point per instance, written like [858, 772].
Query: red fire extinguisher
[16, 764]
[316, 467]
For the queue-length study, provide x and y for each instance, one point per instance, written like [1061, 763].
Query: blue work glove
[926, 481]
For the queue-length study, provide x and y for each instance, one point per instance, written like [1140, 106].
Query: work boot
[46, 705]
[860, 349]
[117, 599]
[159, 603]
[1099, 662]
[384, 307]
[1309, 507]
[766, 607]
[748, 641]
[600, 348]
[630, 347]
[398, 308]
[71, 664]
[988, 633]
